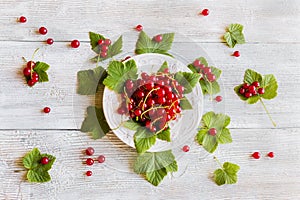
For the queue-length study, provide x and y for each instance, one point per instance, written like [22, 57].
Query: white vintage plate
[182, 130]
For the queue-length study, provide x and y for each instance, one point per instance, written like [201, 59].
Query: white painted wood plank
[265, 20]
[21, 106]
[276, 178]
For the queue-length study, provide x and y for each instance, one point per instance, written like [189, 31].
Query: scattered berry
[47, 110]
[44, 160]
[27, 71]
[271, 154]
[22, 19]
[236, 54]
[43, 31]
[75, 44]
[101, 159]
[89, 173]
[158, 38]
[49, 41]
[89, 151]
[89, 161]
[205, 12]
[139, 27]
[185, 148]
[256, 155]
[219, 98]
[212, 131]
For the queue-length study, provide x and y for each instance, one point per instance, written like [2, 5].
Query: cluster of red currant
[153, 100]
[251, 90]
[31, 76]
[103, 47]
[90, 161]
[205, 71]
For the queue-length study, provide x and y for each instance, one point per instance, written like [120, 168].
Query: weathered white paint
[272, 32]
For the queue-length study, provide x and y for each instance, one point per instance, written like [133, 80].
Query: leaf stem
[267, 111]
[219, 163]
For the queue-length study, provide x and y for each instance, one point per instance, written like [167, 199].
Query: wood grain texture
[273, 46]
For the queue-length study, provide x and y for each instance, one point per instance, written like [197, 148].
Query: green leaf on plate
[227, 174]
[131, 125]
[187, 80]
[118, 73]
[185, 104]
[89, 80]
[144, 139]
[147, 45]
[95, 123]
[219, 122]
[234, 35]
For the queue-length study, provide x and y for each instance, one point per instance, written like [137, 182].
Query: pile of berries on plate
[152, 100]
[251, 90]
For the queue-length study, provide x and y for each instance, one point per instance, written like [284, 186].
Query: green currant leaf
[118, 73]
[227, 174]
[234, 35]
[95, 123]
[143, 140]
[38, 176]
[131, 125]
[173, 167]
[89, 80]
[115, 48]
[224, 136]
[165, 135]
[185, 104]
[251, 76]
[270, 85]
[155, 177]
[210, 143]
[41, 68]
[94, 38]
[48, 166]
[187, 80]
[32, 159]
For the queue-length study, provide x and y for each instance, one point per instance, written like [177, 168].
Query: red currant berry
[103, 54]
[35, 77]
[129, 84]
[30, 83]
[158, 38]
[207, 70]
[139, 27]
[101, 159]
[212, 131]
[185, 148]
[197, 63]
[43, 31]
[47, 110]
[138, 112]
[89, 161]
[246, 85]
[44, 160]
[107, 42]
[254, 93]
[219, 98]
[89, 151]
[27, 71]
[242, 91]
[49, 41]
[261, 90]
[248, 94]
[251, 88]
[256, 155]
[236, 54]
[104, 48]
[205, 12]
[22, 19]
[89, 173]
[121, 110]
[75, 44]
[100, 42]
[30, 64]
[211, 77]
[271, 154]
[256, 84]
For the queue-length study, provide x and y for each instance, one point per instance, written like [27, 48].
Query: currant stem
[219, 163]
[267, 111]
[35, 51]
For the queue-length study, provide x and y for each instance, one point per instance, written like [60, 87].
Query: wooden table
[273, 46]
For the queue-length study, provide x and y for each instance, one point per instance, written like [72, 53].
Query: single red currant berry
[248, 94]
[121, 110]
[44, 160]
[27, 71]
[219, 98]
[271, 154]
[256, 84]
[49, 41]
[261, 90]
[211, 77]
[138, 112]
[30, 64]
[89, 151]
[47, 110]
[197, 63]
[242, 90]
[30, 83]
[236, 54]
[35, 77]
[139, 27]
[100, 42]
[205, 12]
[104, 48]
[89, 173]
[22, 19]
[89, 161]
[158, 38]
[246, 85]
[43, 30]
[101, 159]
[212, 131]
[107, 42]
[103, 54]
[75, 44]
[207, 70]
[256, 155]
[186, 148]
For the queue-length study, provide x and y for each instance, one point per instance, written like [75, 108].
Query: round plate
[182, 129]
